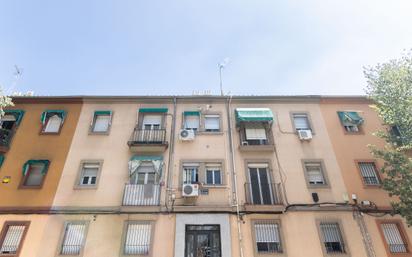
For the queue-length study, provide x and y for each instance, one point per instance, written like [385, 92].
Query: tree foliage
[4, 102]
[390, 87]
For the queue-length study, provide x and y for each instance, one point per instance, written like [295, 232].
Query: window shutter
[35, 175]
[393, 238]
[12, 239]
[212, 122]
[101, 123]
[191, 122]
[332, 237]
[152, 119]
[266, 232]
[73, 238]
[314, 173]
[301, 122]
[137, 239]
[255, 133]
[53, 124]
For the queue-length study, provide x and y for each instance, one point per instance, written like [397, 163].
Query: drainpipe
[235, 197]
[171, 156]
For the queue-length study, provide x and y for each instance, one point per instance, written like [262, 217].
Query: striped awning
[253, 115]
[350, 118]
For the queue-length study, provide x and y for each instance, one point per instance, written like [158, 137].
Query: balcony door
[145, 175]
[260, 184]
[151, 126]
[202, 241]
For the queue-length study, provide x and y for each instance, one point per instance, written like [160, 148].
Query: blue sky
[165, 47]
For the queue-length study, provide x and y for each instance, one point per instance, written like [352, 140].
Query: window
[301, 121]
[260, 190]
[90, 171]
[213, 174]
[314, 173]
[191, 121]
[34, 172]
[101, 121]
[267, 237]
[190, 173]
[394, 238]
[212, 123]
[145, 174]
[137, 238]
[52, 121]
[12, 236]
[8, 122]
[73, 238]
[332, 238]
[351, 121]
[255, 134]
[369, 173]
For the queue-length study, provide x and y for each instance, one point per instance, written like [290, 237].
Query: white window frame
[64, 235]
[214, 169]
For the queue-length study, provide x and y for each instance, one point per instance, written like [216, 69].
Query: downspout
[171, 156]
[235, 197]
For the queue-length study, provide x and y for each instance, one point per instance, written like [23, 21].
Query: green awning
[48, 113]
[253, 114]
[156, 110]
[31, 162]
[18, 114]
[191, 113]
[1, 160]
[350, 118]
[103, 113]
[146, 158]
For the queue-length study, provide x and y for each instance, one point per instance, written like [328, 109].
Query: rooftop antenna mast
[221, 66]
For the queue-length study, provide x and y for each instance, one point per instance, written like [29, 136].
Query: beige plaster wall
[111, 148]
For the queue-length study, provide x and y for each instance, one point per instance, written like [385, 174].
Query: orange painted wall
[349, 148]
[28, 143]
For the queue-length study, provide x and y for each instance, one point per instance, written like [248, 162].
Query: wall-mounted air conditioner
[305, 134]
[186, 135]
[190, 190]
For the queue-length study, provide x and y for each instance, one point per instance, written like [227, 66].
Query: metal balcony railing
[263, 193]
[5, 137]
[141, 195]
[148, 136]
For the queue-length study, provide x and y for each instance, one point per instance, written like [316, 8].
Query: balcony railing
[148, 136]
[141, 195]
[5, 137]
[263, 193]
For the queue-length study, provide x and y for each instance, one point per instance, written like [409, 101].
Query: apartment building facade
[196, 176]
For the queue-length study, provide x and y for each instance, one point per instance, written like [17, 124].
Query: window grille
[394, 238]
[368, 171]
[137, 240]
[73, 239]
[332, 237]
[267, 237]
[12, 240]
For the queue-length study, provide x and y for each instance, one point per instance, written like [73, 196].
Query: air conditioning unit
[186, 135]
[190, 190]
[305, 134]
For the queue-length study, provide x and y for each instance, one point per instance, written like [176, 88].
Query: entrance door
[202, 241]
[260, 186]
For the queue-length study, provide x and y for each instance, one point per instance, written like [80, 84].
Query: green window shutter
[350, 118]
[1, 160]
[48, 113]
[153, 110]
[30, 162]
[18, 114]
[253, 115]
[191, 113]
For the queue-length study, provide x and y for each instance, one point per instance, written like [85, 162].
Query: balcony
[148, 141]
[141, 195]
[5, 138]
[263, 196]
